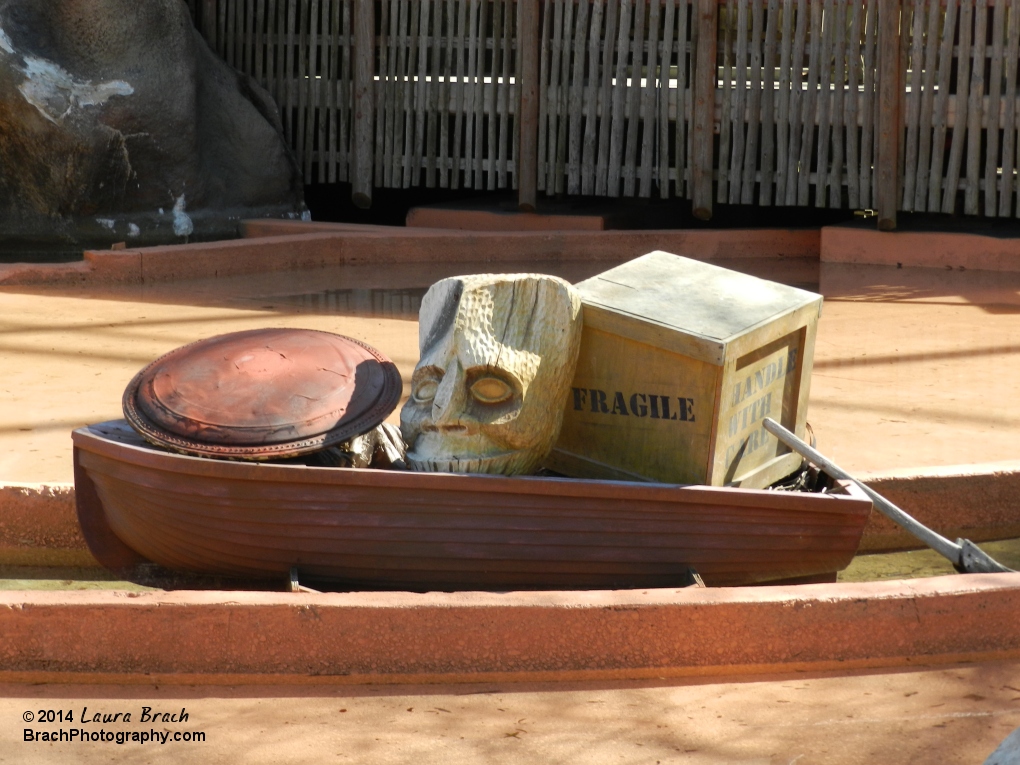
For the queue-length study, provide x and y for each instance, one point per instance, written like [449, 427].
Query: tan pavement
[913, 368]
[938, 716]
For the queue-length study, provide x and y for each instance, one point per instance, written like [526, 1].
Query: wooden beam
[890, 119]
[362, 160]
[703, 137]
[527, 155]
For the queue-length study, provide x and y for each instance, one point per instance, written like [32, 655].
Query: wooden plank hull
[431, 531]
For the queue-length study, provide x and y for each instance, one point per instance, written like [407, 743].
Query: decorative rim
[386, 402]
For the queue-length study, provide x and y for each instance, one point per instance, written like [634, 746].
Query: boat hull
[371, 529]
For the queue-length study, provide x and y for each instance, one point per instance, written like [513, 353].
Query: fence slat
[606, 98]
[328, 149]
[346, 95]
[768, 122]
[617, 135]
[562, 127]
[258, 40]
[824, 110]
[913, 113]
[492, 118]
[889, 119]
[208, 27]
[417, 64]
[787, 131]
[838, 108]
[545, 65]
[364, 54]
[940, 118]
[753, 106]
[738, 117]
[853, 180]
[434, 78]
[634, 99]
[726, 90]
[529, 155]
[809, 111]
[703, 108]
[503, 106]
[596, 74]
[388, 87]
[552, 93]
[515, 139]
[648, 125]
[483, 38]
[952, 181]
[310, 107]
[684, 118]
[1009, 133]
[303, 84]
[322, 86]
[473, 105]
[994, 100]
[666, 94]
[804, 117]
[868, 110]
[975, 110]
[443, 70]
[575, 109]
[925, 119]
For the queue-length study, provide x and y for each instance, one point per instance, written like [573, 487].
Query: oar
[966, 556]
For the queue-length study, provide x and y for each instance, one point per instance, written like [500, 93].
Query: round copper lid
[261, 394]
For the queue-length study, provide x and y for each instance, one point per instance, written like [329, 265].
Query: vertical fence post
[527, 155]
[362, 161]
[207, 23]
[890, 119]
[703, 130]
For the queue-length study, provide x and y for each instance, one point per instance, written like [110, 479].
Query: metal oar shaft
[934, 540]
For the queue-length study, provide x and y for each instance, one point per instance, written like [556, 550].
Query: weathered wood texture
[788, 90]
[684, 385]
[373, 529]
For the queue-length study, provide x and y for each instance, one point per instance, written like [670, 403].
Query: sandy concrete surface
[913, 367]
[939, 716]
[376, 637]
[916, 367]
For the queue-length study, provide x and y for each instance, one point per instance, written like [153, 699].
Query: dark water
[361, 302]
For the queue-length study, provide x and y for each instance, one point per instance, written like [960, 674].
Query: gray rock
[118, 123]
[1008, 752]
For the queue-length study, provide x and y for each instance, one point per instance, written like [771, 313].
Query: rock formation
[117, 122]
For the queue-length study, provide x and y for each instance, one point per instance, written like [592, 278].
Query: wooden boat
[372, 529]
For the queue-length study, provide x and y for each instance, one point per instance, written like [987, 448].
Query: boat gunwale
[852, 502]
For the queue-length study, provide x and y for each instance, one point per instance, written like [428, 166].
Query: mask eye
[425, 390]
[491, 390]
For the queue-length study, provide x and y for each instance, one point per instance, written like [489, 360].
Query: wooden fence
[887, 104]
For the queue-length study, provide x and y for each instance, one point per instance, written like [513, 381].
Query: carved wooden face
[497, 358]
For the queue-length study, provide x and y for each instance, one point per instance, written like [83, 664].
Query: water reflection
[359, 302]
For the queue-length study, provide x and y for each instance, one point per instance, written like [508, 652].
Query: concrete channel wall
[237, 637]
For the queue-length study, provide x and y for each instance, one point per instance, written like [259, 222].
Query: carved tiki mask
[497, 357]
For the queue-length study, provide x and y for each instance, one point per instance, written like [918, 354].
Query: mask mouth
[446, 429]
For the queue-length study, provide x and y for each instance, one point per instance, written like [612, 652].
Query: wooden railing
[886, 104]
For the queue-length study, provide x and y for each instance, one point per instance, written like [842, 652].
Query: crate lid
[697, 299]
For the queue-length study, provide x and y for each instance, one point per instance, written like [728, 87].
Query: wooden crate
[680, 362]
